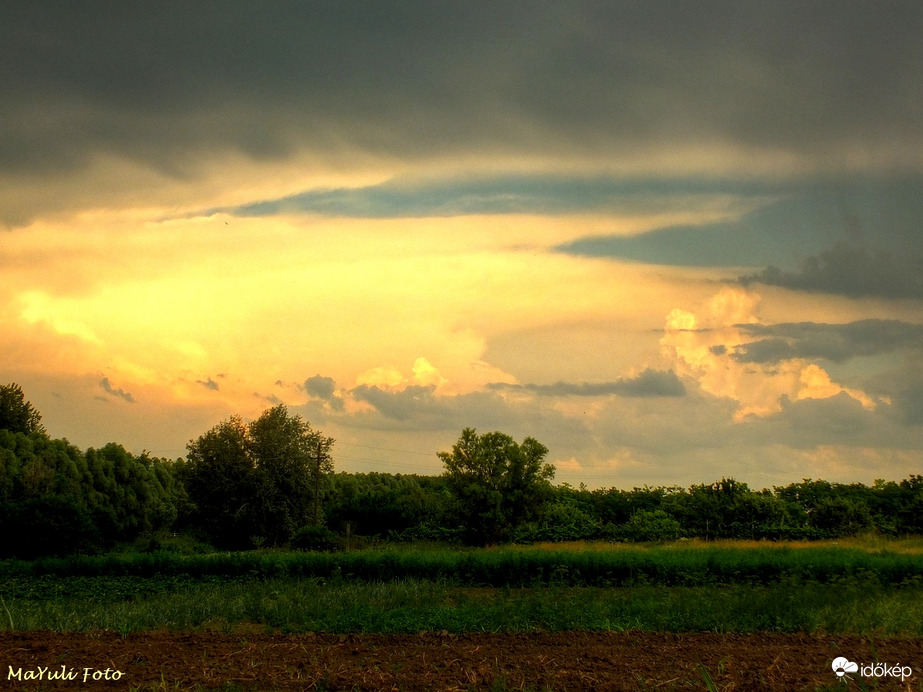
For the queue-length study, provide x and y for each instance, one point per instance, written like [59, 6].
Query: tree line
[271, 483]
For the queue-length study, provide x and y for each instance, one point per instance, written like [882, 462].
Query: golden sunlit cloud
[704, 350]
[815, 383]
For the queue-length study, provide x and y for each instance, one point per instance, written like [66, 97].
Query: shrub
[648, 526]
[318, 538]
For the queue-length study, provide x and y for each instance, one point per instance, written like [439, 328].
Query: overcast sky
[673, 241]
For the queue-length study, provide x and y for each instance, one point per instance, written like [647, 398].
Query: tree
[841, 516]
[291, 461]
[259, 481]
[497, 484]
[17, 414]
[219, 475]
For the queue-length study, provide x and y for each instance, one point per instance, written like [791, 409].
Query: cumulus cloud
[324, 389]
[413, 401]
[839, 419]
[903, 388]
[320, 387]
[716, 350]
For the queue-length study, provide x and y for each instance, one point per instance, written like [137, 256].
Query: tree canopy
[248, 484]
[498, 485]
[257, 482]
[16, 413]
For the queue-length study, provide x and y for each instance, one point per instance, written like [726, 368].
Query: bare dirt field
[559, 661]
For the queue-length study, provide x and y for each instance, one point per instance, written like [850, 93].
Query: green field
[867, 587]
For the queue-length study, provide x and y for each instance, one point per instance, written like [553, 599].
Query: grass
[128, 604]
[687, 563]
[863, 586]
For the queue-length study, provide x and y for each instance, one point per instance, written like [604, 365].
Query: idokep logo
[842, 665]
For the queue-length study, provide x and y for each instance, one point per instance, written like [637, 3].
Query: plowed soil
[557, 661]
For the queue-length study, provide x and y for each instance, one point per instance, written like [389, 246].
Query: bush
[655, 525]
[562, 521]
[427, 531]
[318, 538]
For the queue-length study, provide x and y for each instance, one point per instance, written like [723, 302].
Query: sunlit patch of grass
[869, 542]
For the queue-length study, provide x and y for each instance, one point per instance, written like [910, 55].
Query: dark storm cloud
[507, 194]
[166, 83]
[649, 383]
[881, 216]
[208, 384]
[834, 342]
[852, 271]
[418, 408]
[120, 393]
[904, 387]
[837, 420]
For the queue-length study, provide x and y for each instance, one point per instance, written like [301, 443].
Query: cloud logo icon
[842, 665]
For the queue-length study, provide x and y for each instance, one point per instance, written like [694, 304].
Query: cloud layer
[672, 240]
[437, 82]
[834, 342]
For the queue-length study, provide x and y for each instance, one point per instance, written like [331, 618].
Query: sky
[672, 241]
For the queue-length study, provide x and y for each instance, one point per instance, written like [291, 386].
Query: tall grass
[410, 606]
[842, 588]
[670, 565]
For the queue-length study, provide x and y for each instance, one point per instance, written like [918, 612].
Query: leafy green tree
[56, 499]
[17, 414]
[910, 510]
[220, 478]
[315, 537]
[259, 481]
[291, 461]
[564, 519]
[497, 484]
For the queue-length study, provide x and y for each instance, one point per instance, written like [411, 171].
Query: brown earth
[559, 661]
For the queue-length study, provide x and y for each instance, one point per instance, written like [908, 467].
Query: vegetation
[270, 483]
[497, 484]
[256, 483]
[835, 589]
[55, 499]
[17, 414]
[686, 563]
[103, 539]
